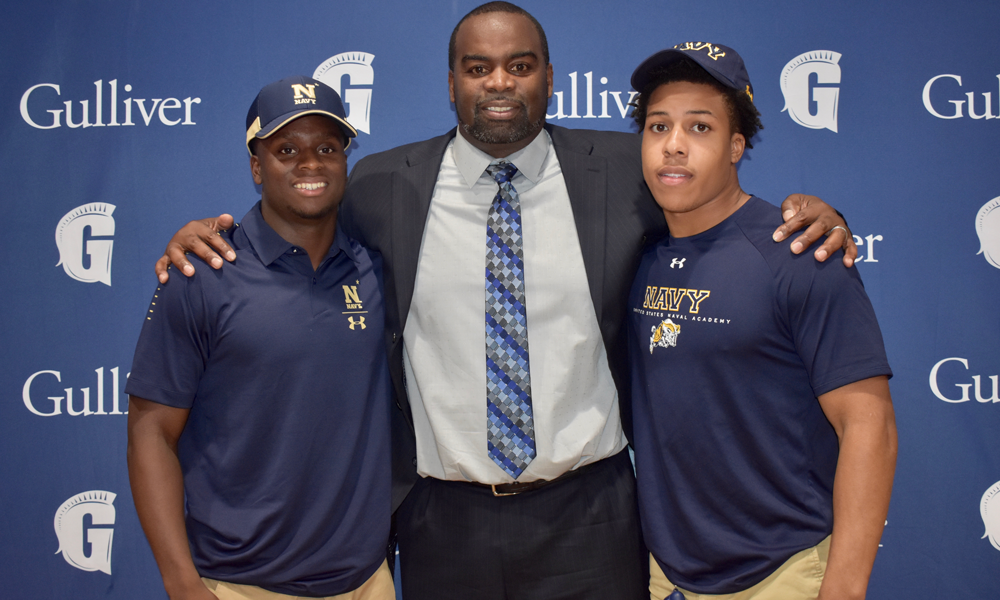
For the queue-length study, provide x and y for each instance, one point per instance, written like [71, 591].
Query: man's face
[499, 82]
[689, 155]
[302, 169]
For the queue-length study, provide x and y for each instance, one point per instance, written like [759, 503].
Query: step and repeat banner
[123, 120]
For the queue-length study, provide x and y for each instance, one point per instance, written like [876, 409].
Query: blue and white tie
[510, 425]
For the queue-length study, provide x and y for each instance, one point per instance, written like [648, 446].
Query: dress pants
[577, 537]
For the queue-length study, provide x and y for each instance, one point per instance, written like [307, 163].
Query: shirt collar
[269, 246]
[472, 161]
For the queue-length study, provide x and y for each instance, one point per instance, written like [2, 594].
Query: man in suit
[510, 469]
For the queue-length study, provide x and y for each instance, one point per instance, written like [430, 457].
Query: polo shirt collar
[472, 161]
[270, 246]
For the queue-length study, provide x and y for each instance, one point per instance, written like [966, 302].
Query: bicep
[150, 421]
[864, 402]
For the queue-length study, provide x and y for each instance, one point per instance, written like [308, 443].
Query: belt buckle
[501, 494]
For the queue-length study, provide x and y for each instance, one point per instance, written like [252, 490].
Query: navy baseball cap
[283, 101]
[721, 62]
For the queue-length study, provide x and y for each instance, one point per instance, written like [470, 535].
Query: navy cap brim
[256, 131]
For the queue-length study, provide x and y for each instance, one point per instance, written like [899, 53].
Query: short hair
[494, 7]
[744, 117]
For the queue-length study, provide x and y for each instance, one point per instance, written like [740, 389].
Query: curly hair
[743, 115]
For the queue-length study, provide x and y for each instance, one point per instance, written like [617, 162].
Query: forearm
[158, 492]
[861, 492]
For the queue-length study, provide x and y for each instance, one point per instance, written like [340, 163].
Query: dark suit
[386, 206]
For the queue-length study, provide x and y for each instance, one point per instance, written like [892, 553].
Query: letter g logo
[358, 68]
[812, 104]
[82, 525]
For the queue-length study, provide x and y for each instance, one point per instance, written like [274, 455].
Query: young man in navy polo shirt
[258, 399]
[765, 440]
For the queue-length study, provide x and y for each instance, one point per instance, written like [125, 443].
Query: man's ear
[451, 86]
[737, 145]
[548, 77]
[255, 169]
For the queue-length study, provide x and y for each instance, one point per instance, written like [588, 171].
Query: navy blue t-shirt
[285, 454]
[732, 339]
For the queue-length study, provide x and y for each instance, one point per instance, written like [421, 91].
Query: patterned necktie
[510, 425]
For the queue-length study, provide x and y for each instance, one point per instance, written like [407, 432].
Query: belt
[516, 487]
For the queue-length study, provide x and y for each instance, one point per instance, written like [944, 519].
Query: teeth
[500, 108]
[309, 186]
[673, 175]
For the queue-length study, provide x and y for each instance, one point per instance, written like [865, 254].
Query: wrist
[185, 586]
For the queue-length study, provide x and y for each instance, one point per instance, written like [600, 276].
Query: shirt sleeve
[832, 322]
[174, 344]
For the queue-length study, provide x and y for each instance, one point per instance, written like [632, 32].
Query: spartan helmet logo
[800, 95]
[988, 229]
[664, 335]
[82, 526]
[84, 236]
[357, 67]
[989, 510]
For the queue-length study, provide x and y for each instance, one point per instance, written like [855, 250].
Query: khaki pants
[378, 587]
[799, 578]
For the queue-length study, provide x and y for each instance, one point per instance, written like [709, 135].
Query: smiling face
[499, 82]
[689, 156]
[302, 169]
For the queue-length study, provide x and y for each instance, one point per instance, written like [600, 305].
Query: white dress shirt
[573, 396]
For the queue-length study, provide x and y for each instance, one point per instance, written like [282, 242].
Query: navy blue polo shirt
[733, 338]
[285, 454]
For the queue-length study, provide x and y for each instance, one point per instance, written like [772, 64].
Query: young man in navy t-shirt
[765, 439]
[258, 447]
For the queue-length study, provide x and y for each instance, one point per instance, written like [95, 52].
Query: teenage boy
[275, 373]
[765, 440]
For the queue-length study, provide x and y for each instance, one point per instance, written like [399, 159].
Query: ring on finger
[841, 227]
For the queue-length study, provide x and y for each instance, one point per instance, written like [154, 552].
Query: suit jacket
[386, 205]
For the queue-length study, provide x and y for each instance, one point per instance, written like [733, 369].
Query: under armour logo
[677, 263]
[360, 321]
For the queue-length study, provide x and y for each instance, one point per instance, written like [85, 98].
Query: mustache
[517, 101]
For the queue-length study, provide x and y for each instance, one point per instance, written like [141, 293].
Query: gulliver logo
[809, 84]
[84, 527]
[36, 100]
[664, 335]
[84, 238]
[357, 66]
[989, 510]
[988, 230]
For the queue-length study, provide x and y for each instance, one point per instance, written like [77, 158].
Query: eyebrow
[690, 112]
[483, 58]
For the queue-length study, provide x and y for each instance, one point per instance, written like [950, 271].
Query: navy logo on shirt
[351, 297]
[353, 304]
[669, 298]
[664, 335]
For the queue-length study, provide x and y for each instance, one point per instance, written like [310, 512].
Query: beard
[502, 132]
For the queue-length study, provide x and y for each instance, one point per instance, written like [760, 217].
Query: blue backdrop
[122, 120]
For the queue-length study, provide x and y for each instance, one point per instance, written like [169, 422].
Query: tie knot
[501, 172]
